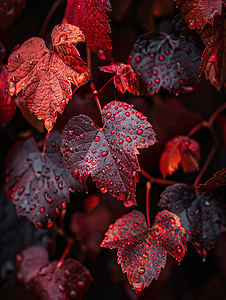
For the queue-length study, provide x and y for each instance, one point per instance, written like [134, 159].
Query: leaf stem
[148, 187]
[62, 233]
[44, 146]
[204, 167]
[48, 17]
[67, 250]
[157, 180]
[92, 85]
[106, 84]
[217, 112]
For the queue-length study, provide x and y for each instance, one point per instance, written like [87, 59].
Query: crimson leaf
[39, 184]
[168, 61]
[142, 250]
[90, 16]
[218, 179]
[203, 217]
[46, 281]
[109, 154]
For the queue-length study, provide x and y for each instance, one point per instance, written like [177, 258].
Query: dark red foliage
[203, 217]
[125, 78]
[180, 150]
[142, 250]
[9, 11]
[171, 62]
[6, 102]
[109, 154]
[89, 229]
[198, 12]
[218, 179]
[39, 184]
[90, 16]
[44, 76]
[48, 282]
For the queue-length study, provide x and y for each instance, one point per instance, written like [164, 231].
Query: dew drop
[172, 220]
[111, 226]
[104, 172]
[47, 197]
[129, 140]
[141, 270]
[81, 284]
[115, 239]
[120, 141]
[179, 249]
[103, 189]
[70, 132]
[61, 288]
[73, 294]
[140, 131]
[104, 153]
[108, 115]
[97, 138]
[137, 59]
[145, 255]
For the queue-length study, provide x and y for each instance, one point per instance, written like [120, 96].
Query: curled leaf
[125, 78]
[218, 179]
[180, 150]
[142, 250]
[109, 153]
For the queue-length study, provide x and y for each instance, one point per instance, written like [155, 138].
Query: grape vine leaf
[109, 153]
[44, 76]
[203, 216]
[213, 62]
[38, 183]
[142, 250]
[180, 150]
[91, 17]
[197, 13]
[125, 79]
[89, 229]
[9, 11]
[7, 103]
[168, 61]
[47, 281]
[219, 179]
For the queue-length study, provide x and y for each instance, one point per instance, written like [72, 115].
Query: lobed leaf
[90, 16]
[180, 150]
[142, 250]
[171, 62]
[38, 183]
[44, 76]
[46, 281]
[203, 217]
[108, 153]
[125, 78]
[197, 13]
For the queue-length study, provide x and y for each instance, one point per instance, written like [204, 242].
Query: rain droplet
[70, 132]
[47, 197]
[141, 270]
[61, 288]
[140, 131]
[115, 239]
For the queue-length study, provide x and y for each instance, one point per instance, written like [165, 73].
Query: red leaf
[39, 184]
[213, 62]
[90, 16]
[180, 150]
[45, 281]
[109, 154]
[44, 76]
[125, 78]
[218, 179]
[142, 250]
[171, 62]
[197, 13]
[7, 104]
[9, 11]
[203, 217]
[89, 229]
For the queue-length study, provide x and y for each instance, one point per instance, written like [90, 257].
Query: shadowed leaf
[219, 179]
[39, 184]
[203, 217]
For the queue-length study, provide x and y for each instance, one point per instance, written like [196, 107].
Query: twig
[205, 165]
[92, 85]
[44, 146]
[48, 17]
[62, 233]
[66, 251]
[217, 112]
[157, 180]
[148, 187]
